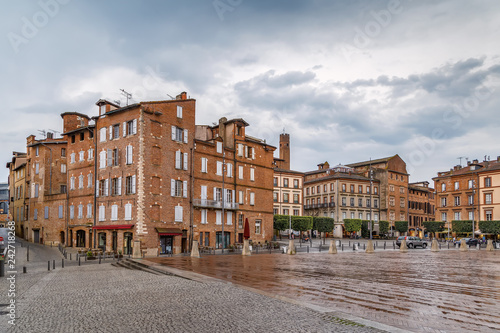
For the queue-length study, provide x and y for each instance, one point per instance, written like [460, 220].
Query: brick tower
[285, 150]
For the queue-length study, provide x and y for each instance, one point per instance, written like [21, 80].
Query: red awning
[113, 226]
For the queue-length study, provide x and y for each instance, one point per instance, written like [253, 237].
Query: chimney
[475, 161]
[498, 158]
[181, 96]
[222, 129]
[285, 150]
[469, 163]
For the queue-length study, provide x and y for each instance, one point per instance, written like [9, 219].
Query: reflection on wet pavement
[421, 291]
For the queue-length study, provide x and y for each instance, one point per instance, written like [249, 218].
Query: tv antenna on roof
[126, 94]
[170, 96]
[43, 132]
[460, 158]
[54, 131]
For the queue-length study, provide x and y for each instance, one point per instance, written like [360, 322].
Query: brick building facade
[421, 206]
[18, 209]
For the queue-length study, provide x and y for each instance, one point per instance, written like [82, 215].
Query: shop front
[111, 237]
[168, 238]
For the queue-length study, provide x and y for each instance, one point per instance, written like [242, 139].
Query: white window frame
[252, 174]
[252, 198]
[204, 216]
[240, 172]
[114, 213]
[128, 211]
[178, 213]
[204, 165]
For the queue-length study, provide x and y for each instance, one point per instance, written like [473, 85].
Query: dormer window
[102, 109]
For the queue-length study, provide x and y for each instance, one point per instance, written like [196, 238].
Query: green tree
[433, 226]
[490, 227]
[461, 227]
[323, 224]
[352, 225]
[365, 231]
[401, 226]
[383, 227]
[281, 223]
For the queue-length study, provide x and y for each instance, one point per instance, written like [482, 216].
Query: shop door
[166, 244]
[36, 236]
[127, 243]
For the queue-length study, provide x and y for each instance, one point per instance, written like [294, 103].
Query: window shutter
[102, 159]
[60, 212]
[203, 192]
[179, 111]
[185, 189]
[124, 129]
[185, 136]
[229, 170]
[215, 193]
[218, 217]
[106, 187]
[240, 149]
[178, 213]
[119, 185]
[219, 168]
[246, 151]
[128, 212]
[204, 164]
[97, 188]
[229, 218]
[109, 158]
[173, 133]
[133, 184]
[114, 212]
[253, 153]
[172, 187]
[252, 174]
[110, 132]
[185, 161]
[134, 126]
[178, 159]
[233, 196]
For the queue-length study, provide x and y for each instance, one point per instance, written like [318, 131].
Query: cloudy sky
[349, 80]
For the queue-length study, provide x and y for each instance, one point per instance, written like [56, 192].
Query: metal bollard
[53, 264]
[85, 258]
[384, 245]
[62, 263]
[376, 243]
[354, 247]
[48, 265]
[364, 246]
[70, 257]
[349, 243]
[440, 246]
[99, 258]
[2, 269]
[448, 246]
[307, 248]
[79, 261]
[342, 247]
[320, 247]
[24, 269]
[393, 245]
[28, 254]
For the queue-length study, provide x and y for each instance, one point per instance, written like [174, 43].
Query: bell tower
[285, 150]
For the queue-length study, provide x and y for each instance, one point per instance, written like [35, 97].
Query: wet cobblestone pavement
[420, 291]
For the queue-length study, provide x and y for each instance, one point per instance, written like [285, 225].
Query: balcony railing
[215, 204]
[331, 204]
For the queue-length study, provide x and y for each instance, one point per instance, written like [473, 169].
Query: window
[219, 147]
[368, 203]
[344, 215]
[128, 211]
[470, 183]
[63, 168]
[71, 212]
[130, 127]
[229, 170]
[360, 202]
[343, 201]
[489, 215]
[80, 211]
[352, 188]
[352, 202]
[343, 187]
[240, 221]
[240, 149]
[240, 172]
[360, 188]
[295, 183]
[204, 165]
[80, 181]
[240, 197]
[252, 198]
[102, 159]
[178, 213]
[296, 212]
[73, 138]
[90, 180]
[37, 151]
[285, 180]
[63, 152]
[391, 188]
[252, 175]
[285, 197]
[102, 213]
[179, 134]
[275, 184]
[307, 191]
[81, 156]
[360, 216]
[72, 158]
[204, 216]
[128, 154]
[89, 211]
[401, 189]
[471, 216]
[229, 218]
[313, 190]
[443, 217]
[375, 203]
[217, 194]
[37, 168]
[443, 202]
[392, 201]
[275, 196]
[90, 153]
[219, 168]
[352, 215]
[181, 160]
[60, 211]
[103, 187]
[487, 182]
[72, 183]
[443, 187]
[470, 200]
[401, 202]
[218, 217]
[258, 226]
[457, 186]
[116, 186]
[63, 189]
[35, 214]
[457, 216]
[296, 198]
[102, 134]
[114, 212]
[456, 200]
[178, 188]
[179, 111]
[375, 190]
[488, 199]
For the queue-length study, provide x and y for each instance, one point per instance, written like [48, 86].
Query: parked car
[412, 242]
[468, 241]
